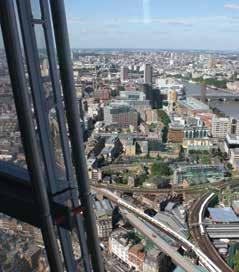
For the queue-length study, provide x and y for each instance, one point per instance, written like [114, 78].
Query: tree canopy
[164, 117]
[161, 169]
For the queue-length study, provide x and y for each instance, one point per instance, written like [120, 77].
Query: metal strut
[23, 107]
[63, 131]
[57, 200]
[76, 135]
[33, 63]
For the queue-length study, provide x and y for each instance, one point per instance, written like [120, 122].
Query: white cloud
[184, 22]
[231, 6]
[119, 21]
[115, 23]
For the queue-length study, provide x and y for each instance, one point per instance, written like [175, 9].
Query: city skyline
[151, 24]
[119, 152]
[211, 25]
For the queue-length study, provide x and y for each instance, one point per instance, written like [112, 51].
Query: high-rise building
[221, 126]
[150, 116]
[172, 96]
[121, 114]
[124, 74]
[102, 94]
[175, 133]
[235, 126]
[203, 92]
[211, 62]
[153, 95]
[148, 74]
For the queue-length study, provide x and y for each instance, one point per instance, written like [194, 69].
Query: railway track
[203, 241]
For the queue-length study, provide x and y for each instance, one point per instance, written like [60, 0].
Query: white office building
[221, 126]
[119, 245]
[168, 84]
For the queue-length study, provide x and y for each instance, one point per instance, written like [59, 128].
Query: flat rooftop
[223, 215]
[194, 104]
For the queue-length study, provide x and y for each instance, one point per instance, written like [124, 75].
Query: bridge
[213, 94]
[226, 97]
[203, 259]
[160, 243]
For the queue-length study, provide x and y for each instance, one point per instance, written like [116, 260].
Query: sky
[172, 24]
[160, 24]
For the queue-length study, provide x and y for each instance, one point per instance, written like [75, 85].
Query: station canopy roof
[223, 215]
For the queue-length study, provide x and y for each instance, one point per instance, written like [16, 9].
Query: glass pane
[56, 140]
[50, 98]
[41, 46]
[10, 138]
[36, 9]
[18, 240]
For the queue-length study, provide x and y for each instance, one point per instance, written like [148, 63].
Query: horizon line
[148, 48]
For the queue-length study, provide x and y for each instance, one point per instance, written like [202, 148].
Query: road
[203, 241]
[160, 243]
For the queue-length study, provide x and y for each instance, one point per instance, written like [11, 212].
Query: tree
[140, 179]
[229, 166]
[152, 126]
[165, 135]
[236, 261]
[164, 117]
[181, 153]
[161, 169]
[165, 120]
[121, 88]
